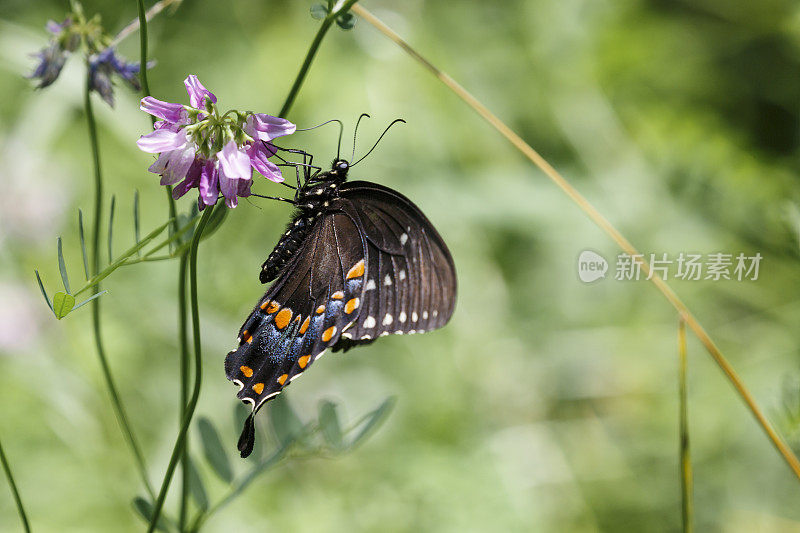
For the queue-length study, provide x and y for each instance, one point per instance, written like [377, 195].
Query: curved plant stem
[312, 51]
[116, 402]
[602, 223]
[177, 451]
[687, 510]
[184, 371]
[17, 499]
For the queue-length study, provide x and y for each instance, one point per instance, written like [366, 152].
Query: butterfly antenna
[395, 121]
[355, 132]
[341, 131]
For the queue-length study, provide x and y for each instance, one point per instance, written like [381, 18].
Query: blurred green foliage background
[546, 404]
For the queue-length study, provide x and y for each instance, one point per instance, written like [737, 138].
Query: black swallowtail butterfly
[357, 261]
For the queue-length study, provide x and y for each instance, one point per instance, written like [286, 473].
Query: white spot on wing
[424, 315]
[402, 275]
[370, 285]
[387, 280]
[414, 316]
[369, 322]
[402, 317]
[403, 238]
[388, 319]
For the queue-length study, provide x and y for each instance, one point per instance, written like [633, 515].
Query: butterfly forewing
[316, 297]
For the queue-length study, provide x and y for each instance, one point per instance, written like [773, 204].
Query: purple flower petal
[229, 187]
[243, 188]
[258, 154]
[266, 127]
[192, 179]
[160, 164]
[178, 165]
[174, 113]
[162, 140]
[209, 183]
[198, 93]
[234, 163]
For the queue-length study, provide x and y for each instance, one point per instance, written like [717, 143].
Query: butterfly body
[357, 261]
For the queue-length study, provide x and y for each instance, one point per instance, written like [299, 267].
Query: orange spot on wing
[320, 309]
[357, 271]
[282, 378]
[303, 361]
[273, 306]
[328, 333]
[259, 388]
[351, 305]
[304, 326]
[283, 317]
[247, 371]
[338, 295]
[265, 304]
[246, 337]
[249, 340]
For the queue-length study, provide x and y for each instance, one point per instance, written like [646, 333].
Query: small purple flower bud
[266, 127]
[55, 28]
[198, 93]
[174, 113]
[51, 61]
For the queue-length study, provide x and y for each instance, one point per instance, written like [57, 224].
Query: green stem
[312, 51]
[184, 371]
[687, 511]
[143, 47]
[198, 369]
[116, 402]
[11, 483]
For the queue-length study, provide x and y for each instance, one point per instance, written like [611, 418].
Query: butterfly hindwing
[410, 282]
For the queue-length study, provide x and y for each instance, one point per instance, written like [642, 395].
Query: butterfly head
[339, 168]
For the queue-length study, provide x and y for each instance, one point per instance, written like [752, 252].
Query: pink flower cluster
[197, 147]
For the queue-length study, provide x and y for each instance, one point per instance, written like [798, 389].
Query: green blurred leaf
[111, 228]
[44, 293]
[329, 423]
[62, 267]
[145, 510]
[83, 245]
[319, 12]
[373, 421]
[217, 218]
[213, 450]
[346, 21]
[196, 486]
[285, 423]
[62, 304]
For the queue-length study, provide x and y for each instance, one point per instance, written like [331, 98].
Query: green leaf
[83, 245]
[285, 423]
[329, 423]
[196, 486]
[62, 304]
[44, 293]
[346, 21]
[213, 450]
[136, 218]
[319, 11]
[87, 300]
[62, 267]
[217, 218]
[145, 509]
[373, 420]
[111, 228]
